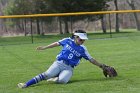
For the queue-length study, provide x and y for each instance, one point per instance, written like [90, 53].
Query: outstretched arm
[48, 46]
[107, 70]
[93, 61]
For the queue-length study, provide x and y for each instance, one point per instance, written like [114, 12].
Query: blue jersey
[71, 52]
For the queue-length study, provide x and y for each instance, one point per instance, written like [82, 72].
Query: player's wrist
[41, 48]
[102, 66]
[44, 47]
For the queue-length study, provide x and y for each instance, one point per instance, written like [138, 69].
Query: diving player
[69, 57]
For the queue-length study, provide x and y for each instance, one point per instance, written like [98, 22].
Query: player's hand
[40, 48]
[109, 71]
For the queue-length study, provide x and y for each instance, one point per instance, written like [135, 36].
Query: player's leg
[34, 80]
[51, 72]
[65, 76]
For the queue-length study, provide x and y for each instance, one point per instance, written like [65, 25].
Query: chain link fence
[22, 29]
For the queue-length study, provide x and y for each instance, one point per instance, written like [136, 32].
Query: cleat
[55, 79]
[21, 85]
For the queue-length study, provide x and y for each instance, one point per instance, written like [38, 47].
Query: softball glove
[109, 71]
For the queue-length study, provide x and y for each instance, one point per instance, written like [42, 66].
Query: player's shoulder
[67, 38]
[84, 47]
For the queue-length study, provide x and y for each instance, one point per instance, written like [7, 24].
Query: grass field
[19, 63]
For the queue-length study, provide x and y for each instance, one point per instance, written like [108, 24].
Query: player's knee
[47, 75]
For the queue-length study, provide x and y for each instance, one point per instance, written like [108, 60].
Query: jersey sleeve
[86, 54]
[62, 42]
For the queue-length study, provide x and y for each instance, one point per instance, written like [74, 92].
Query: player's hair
[77, 31]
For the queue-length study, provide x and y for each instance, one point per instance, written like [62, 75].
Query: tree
[132, 5]
[58, 6]
[116, 16]
[103, 23]
[19, 7]
[2, 21]
[64, 6]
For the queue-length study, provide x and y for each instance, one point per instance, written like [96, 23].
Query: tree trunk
[2, 21]
[66, 26]
[103, 22]
[132, 5]
[137, 21]
[38, 26]
[42, 28]
[116, 16]
[60, 25]
[3, 25]
[25, 27]
[22, 25]
[71, 24]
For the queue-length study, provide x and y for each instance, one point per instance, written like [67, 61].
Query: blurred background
[42, 26]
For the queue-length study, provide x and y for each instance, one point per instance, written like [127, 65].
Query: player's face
[79, 41]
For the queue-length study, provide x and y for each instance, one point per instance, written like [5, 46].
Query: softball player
[69, 57]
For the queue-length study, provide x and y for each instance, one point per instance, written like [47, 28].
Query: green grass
[19, 63]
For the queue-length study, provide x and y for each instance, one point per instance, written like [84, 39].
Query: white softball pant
[61, 70]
